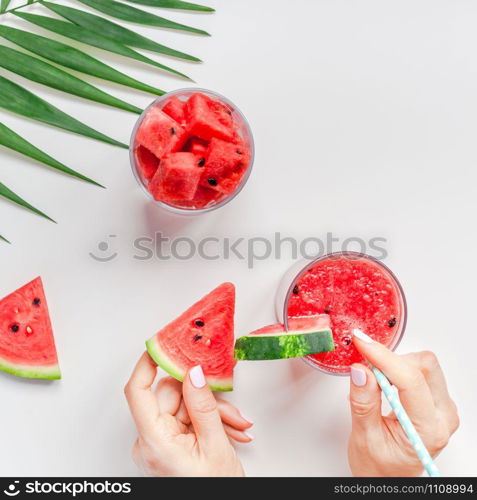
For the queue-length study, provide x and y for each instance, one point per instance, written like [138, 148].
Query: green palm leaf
[13, 197]
[89, 37]
[3, 7]
[174, 4]
[114, 31]
[4, 239]
[71, 58]
[133, 15]
[40, 71]
[12, 140]
[21, 101]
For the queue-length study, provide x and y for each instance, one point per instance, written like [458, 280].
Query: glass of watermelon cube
[356, 291]
[192, 151]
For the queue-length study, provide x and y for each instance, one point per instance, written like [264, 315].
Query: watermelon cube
[207, 118]
[177, 178]
[175, 108]
[203, 197]
[197, 146]
[147, 162]
[160, 133]
[224, 165]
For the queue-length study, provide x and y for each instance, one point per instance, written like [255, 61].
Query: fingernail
[358, 376]
[362, 336]
[249, 420]
[249, 435]
[197, 377]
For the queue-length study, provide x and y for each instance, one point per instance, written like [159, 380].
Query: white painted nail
[362, 336]
[249, 435]
[249, 420]
[358, 376]
[197, 377]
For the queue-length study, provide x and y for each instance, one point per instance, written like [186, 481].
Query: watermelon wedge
[202, 335]
[306, 335]
[27, 345]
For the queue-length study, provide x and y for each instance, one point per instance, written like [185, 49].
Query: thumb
[364, 398]
[203, 412]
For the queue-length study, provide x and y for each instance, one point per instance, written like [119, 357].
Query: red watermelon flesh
[147, 162]
[202, 335]
[27, 345]
[175, 108]
[224, 165]
[202, 198]
[197, 146]
[204, 126]
[159, 133]
[177, 178]
[206, 119]
[298, 324]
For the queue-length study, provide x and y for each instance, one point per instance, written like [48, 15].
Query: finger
[141, 400]
[429, 365]
[232, 416]
[169, 395]
[236, 435]
[414, 392]
[365, 399]
[182, 413]
[203, 411]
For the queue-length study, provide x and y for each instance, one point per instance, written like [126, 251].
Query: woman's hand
[378, 445]
[182, 428]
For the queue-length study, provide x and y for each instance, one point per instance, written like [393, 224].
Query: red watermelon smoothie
[356, 291]
[191, 151]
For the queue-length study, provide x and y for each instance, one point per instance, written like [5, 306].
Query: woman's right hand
[378, 445]
[183, 430]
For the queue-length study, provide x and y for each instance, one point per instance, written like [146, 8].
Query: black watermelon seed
[212, 181]
[36, 302]
[327, 310]
[201, 162]
[199, 323]
[295, 289]
[392, 322]
[197, 338]
[347, 340]
[15, 327]
[173, 131]
[239, 152]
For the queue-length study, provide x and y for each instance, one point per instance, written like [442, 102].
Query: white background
[364, 115]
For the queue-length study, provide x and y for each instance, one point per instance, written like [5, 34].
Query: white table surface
[364, 115]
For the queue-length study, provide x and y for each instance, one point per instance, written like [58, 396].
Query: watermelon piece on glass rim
[203, 335]
[306, 335]
[159, 133]
[27, 345]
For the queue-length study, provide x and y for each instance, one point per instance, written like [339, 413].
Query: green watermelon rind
[48, 372]
[284, 345]
[168, 365]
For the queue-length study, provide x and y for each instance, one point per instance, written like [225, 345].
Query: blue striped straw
[406, 423]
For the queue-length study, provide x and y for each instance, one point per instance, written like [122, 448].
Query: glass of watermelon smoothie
[356, 291]
[191, 151]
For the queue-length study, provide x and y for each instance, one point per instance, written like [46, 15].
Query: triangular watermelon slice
[202, 335]
[27, 345]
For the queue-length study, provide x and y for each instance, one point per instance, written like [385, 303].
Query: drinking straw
[405, 422]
